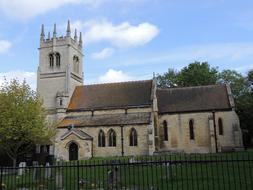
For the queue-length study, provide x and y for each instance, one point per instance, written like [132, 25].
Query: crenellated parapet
[76, 41]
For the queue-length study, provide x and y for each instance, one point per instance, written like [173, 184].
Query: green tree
[22, 120]
[168, 79]
[235, 80]
[195, 74]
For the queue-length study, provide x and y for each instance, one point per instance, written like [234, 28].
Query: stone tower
[59, 71]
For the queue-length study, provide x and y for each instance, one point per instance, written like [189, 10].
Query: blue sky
[129, 39]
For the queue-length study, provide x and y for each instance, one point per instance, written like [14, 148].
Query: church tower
[59, 71]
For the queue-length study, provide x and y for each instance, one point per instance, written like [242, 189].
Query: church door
[73, 151]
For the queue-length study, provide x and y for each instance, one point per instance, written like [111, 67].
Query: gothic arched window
[76, 64]
[101, 139]
[51, 60]
[111, 138]
[58, 59]
[191, 129]
[133, 137]
[220, 124]
[165, 130]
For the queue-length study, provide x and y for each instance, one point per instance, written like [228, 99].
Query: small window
[191, 129]
[58, 60]
[60, 102]
[101, 139]
[51, 60]
[165, 130]
[112, 138]
[76, 64]
[220, 125]
[133, 137]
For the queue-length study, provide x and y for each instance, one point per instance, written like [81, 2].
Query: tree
[235, 80]
[195, 74]
[22, 120]
[168, 79]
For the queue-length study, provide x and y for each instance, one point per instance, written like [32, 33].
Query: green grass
[217, 174]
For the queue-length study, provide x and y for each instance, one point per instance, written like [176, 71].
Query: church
[128, 118]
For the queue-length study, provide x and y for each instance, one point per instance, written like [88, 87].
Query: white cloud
[24, 9]
[30, 77]
[103, 54]
[121, 35]
[4, 46]
[114, 76]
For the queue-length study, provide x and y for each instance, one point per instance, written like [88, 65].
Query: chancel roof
[193, 99]
[106, 120]
[112, 95]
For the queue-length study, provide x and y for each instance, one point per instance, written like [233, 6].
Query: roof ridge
[123, 82]
[190, 87]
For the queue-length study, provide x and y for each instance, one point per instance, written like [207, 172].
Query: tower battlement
[60, 40]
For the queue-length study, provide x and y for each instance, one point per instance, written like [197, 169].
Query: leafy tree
[235, 80]
[195, 74]
[22, 120]
[168, 79]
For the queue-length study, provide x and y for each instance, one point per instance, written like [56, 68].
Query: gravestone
[48, 171]
[21, 168]
[168, 170]
[36, 171]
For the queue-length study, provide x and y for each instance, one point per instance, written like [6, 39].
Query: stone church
[128, 118]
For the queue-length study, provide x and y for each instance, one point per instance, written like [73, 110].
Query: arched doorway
[73, 151]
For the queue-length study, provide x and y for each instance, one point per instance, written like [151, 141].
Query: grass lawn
[209, 171]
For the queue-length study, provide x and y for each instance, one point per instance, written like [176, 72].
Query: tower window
[76, 64]
[51, 60]
[191, 129]
[220, 124]
[133, 137]
[112, 138]
[60, 102]
[165, 130]
[101, 139]
[58, 59]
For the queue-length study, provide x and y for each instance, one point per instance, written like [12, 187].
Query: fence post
[78, 185]
[1, 178]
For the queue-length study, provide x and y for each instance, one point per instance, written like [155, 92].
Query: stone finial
[68, 33]
[42, 34]
[54, 34]
[48, 36]
[80, 39]
[75, 37]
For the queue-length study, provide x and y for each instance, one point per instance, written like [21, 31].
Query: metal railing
[212, 171]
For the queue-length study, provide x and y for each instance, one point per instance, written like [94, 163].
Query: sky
[129, 39]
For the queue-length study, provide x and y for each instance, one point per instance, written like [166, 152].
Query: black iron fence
[218, 171]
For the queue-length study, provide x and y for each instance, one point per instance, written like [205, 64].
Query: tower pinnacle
[42, 34]
[80, 39]
[54, 34]
[75, 37]
[48, 36]
[68, 34]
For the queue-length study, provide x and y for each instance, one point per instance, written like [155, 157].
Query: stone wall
[179, 135]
